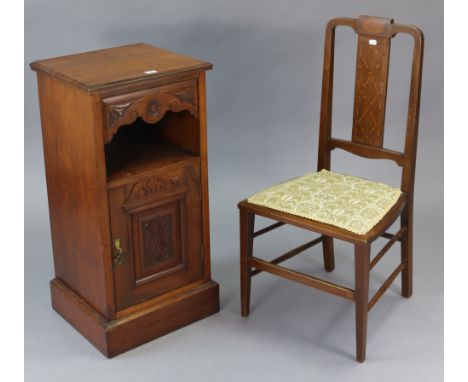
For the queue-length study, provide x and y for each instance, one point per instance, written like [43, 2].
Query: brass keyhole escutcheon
[118, 252]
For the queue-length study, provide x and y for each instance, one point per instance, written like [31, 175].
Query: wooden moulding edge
[38, 67]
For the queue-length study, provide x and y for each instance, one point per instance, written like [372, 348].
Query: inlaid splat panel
[371, 89]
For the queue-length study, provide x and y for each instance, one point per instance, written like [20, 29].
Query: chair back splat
[370, 95]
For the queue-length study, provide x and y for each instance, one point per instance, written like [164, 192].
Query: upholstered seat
[344, 201]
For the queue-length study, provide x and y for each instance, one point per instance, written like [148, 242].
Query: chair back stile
[372, 64]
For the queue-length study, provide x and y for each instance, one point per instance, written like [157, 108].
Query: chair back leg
[247, 223]
[361, 274]
[328, 254]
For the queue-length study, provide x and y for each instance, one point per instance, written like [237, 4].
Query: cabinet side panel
[74, 176]
[204, 176]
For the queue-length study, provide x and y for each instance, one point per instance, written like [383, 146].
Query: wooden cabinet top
[115, 66]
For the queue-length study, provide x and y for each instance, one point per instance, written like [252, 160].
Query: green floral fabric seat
[344, 201]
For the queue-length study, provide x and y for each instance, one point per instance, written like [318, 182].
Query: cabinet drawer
[156, 234]
[151, 105]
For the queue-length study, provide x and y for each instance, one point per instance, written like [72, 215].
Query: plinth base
[140, 326]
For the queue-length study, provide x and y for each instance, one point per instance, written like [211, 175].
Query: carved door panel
[156, 234]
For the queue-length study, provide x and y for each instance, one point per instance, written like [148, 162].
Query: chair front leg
[247, 222]
[361, 274]
[328, 253]
[407, 253]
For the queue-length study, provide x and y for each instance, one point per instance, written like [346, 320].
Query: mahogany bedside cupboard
[124, 133]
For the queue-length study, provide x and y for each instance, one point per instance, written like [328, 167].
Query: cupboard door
[156, 234]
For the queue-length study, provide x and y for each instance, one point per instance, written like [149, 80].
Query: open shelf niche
[142, 147]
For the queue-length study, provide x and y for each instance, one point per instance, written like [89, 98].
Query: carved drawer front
[156, 234]
[151, 105]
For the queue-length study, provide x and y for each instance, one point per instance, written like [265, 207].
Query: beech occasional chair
[344, 207]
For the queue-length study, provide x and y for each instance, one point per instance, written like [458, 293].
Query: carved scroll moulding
[150, 105]
[154, 108]
[186, 96]
[156, 185]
